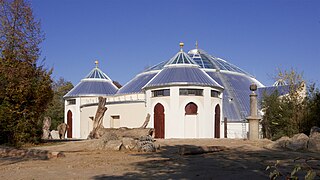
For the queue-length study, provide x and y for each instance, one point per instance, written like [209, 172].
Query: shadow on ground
[227, 164]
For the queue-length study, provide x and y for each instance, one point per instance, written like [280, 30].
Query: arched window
[191, 109]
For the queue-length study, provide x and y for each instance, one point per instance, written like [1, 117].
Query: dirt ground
[242, 160]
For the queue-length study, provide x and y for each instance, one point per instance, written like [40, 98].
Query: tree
[56, 107]
[272, 115]
[285, 115]
[312, 112]
[25, 88]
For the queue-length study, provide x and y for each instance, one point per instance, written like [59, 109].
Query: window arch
[191, 109]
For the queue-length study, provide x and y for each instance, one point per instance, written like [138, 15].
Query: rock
[146, 144]
[129, 143]
[314, 142]
[23, 153]
[280, 143]
[95, 144]
[56, 154]
[314, 129]
[109, 136]
[55, 134]
[113, 145]
[298, 142]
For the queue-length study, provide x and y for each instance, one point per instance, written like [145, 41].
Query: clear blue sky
[258, 36]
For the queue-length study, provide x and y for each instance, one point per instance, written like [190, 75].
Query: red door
[69, 122]
[159, 121]
[217, 122]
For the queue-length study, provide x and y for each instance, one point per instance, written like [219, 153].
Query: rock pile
[11, 152]
[112, 142]
[299, 142]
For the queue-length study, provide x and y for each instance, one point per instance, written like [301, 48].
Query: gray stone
[280, 143]
[314, 129]
[129, 143]
[314, 142]
[94, 144]
[298, 142]
[109, 136]
[54, 134]
[146, 144]
[56, 154]
[113, 145]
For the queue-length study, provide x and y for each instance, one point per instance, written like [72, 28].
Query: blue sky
[258, 36]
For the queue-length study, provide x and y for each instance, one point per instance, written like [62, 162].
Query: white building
[188, 96]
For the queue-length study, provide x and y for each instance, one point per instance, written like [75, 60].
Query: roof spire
[197, 44]
[96, 62]
[181, 44]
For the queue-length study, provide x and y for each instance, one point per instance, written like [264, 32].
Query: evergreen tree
[312, 117]
[25, 87]
[295, 112]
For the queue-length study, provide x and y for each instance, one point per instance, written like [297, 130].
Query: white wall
[179, 125]
[132, 111]
[75, 109]
[132, 114]
[86, 124]
[234, 130]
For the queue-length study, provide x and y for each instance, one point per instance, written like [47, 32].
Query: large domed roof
[96, 83]
[234, 80]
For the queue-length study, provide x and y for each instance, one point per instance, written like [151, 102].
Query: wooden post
[225, 127]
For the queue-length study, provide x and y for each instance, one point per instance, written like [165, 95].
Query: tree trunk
[98, 119]
[99, 131]
[200, 149]
[145, 124]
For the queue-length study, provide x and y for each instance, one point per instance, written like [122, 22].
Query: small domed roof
[96, 83]
[181, 58]
[182, 75]
[182, 70]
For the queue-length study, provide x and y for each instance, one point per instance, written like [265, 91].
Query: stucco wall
[180, 125]
[131, 114]
[237, 130]
[75, 110]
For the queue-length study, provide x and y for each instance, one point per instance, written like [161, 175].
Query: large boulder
[314, 142]
[279, 143]
[113, 145]
[96, 144]
[314, 129]
[146, 144]
[129, 143]
[298, 142]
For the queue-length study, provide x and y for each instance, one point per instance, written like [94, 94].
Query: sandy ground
[242, 160]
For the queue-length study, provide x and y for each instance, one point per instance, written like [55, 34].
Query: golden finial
[181, 45]
[196, 44]
[96, 62]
